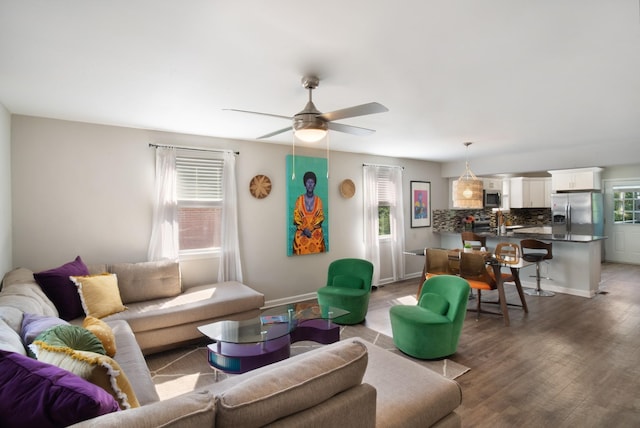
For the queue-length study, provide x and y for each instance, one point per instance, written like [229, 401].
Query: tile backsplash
[451, 220]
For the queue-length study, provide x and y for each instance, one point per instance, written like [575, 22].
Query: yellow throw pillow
[99, 294]
[103, 332]
[100, 370]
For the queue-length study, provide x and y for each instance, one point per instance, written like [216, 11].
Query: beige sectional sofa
[349, 383]
[163, 314]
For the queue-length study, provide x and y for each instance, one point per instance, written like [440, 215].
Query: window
[199, 194]
[626, 204]
[386, 199]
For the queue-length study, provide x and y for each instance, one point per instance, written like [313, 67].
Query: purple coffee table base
[242, 357]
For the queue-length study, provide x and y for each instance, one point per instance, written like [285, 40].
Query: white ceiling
[512, 76]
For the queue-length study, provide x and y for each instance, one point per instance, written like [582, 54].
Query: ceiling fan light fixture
[467, 190]
[310, 129]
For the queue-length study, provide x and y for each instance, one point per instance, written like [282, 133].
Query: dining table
[514, 265]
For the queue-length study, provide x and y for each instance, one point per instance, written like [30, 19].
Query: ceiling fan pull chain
[327, 137]
[293, 159]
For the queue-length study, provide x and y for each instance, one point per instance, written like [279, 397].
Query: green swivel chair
[348, 287]
[431, 329]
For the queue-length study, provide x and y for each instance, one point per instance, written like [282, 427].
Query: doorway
[623, 231]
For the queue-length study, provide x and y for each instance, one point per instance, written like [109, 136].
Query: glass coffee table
[240, 346]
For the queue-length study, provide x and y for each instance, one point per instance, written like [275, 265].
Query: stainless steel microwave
[492, 199]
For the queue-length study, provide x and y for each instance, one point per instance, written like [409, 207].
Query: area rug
[185, 369]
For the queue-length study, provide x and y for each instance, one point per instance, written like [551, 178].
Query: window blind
[386, 193]
[199, 179]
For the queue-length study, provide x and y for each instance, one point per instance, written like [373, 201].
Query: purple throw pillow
[33, 325]
[37, 394]
[60, 290]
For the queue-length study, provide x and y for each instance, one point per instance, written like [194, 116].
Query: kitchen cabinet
[530, 192]
[492, 184]
[575, 179]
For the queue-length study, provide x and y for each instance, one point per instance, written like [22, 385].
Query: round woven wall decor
[347, 188]
[260, 186]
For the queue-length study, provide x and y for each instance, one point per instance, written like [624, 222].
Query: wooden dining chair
[436, 262]
[473, 268]
[507, 253]
[476, 241]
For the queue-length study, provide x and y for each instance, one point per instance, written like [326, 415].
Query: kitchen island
[575, 268]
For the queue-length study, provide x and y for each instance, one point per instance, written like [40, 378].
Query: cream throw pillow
[99, 294]
[100, 370]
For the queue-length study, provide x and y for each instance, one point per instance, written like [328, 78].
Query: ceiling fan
[311, 125]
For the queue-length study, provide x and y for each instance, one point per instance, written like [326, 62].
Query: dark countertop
[563, 237]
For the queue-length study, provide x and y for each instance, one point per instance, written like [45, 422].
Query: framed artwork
[307, 206]
[420, 204]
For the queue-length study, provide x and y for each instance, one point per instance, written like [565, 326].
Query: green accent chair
[348, 287]
[431, 329]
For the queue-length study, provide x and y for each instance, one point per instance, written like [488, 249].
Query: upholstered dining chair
[476, 241]
[431, 329]
[349, 288]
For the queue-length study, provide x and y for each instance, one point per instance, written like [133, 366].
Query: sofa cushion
[103, 332]
[409, 395]
[99, 294]
[293, 387]
[10, 340]
[21, 294]
[139, 282]
[98, 369]
[194, 305]
[132, 361]
[36, 394]
[60, 290]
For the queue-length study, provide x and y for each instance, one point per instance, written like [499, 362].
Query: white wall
[6, 261]
[86, 189]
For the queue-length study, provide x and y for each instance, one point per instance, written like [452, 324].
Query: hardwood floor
[569, 362]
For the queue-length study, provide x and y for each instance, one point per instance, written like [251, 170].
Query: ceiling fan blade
[262, 114]
[354, 130]
[271, 134]
[354, 111]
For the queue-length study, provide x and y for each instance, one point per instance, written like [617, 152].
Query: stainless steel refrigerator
[577, 213]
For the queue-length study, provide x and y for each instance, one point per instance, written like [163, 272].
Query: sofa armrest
[194, 409]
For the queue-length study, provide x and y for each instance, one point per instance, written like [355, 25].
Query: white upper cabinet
[534, 192]
[492, 184]
[576, 179]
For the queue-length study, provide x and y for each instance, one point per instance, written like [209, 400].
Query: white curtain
[371, 243]
[164, 233]
[392, 176]
[397, 224]
[230, 268]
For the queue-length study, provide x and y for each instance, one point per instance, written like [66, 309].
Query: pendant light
[467, 190]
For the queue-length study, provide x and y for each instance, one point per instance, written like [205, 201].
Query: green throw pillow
[72, 336]
[435, 303]
[348, 281]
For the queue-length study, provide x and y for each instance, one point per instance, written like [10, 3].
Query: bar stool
[542, 252]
